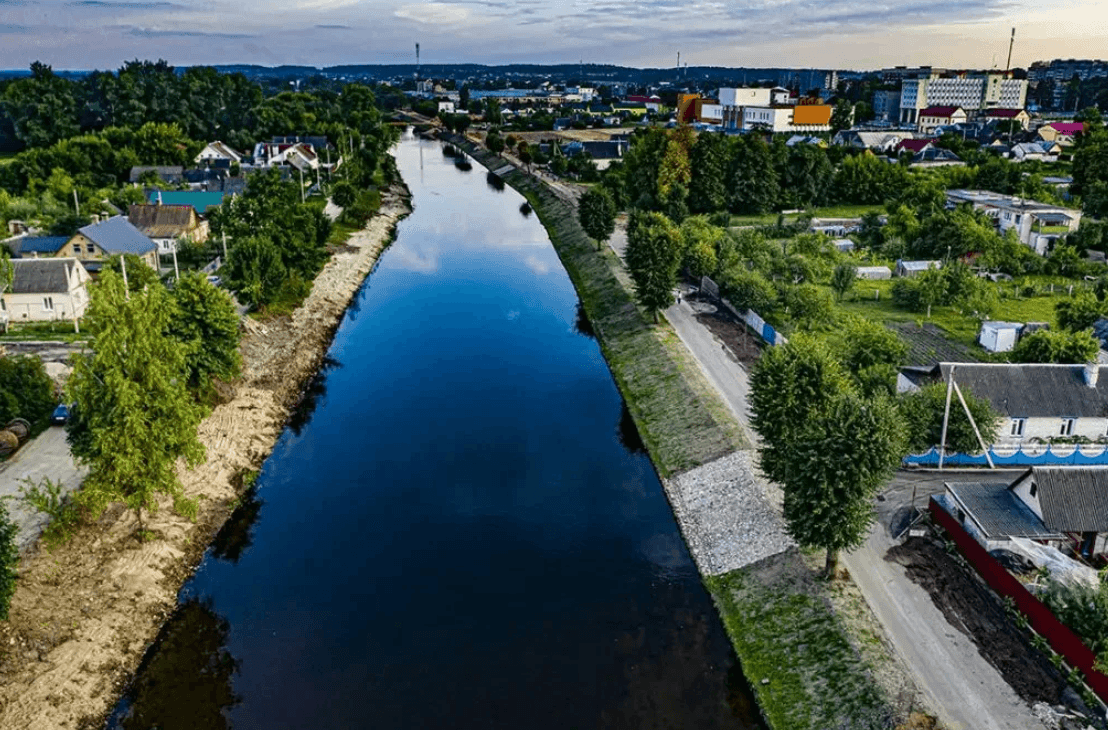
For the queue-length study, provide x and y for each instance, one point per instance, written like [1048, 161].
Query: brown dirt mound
[972, 608]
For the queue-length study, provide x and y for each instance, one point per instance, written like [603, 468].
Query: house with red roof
[997, 115]
[1063, 133]
[915, 146]
[653, 103]
[940, 116]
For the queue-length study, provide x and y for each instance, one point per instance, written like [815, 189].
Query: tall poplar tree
[133, 401]
[653, 254]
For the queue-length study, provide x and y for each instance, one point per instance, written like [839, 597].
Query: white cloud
[434, 13]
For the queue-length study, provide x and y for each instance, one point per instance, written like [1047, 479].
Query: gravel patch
[725, 515]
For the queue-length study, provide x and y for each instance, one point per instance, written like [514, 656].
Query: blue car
[61, 414]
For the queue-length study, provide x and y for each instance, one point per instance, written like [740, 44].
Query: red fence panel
[1060, 637]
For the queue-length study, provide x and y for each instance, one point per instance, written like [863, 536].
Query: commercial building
[971, 90]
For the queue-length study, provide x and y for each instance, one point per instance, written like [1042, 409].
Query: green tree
[923, 415]
[207, 324]
[833, 473]
[752, 179]
[343, 194]
[842, 116]
[9, 561]
[139, 274]
[709, 161]
[597, 214]
[26, 391]
[1057, 346]
[700, 241]
[843, 278]
[132, 395]
[653, 255]
[1079, 313]
[871, 353]
[791, 385]
[255, 270]
[749, 290]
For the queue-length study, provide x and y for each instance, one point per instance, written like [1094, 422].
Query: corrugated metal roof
[1073, 499]
[199, 200]
[1033, 390]
[998, 511]
[40, 276]
[163, 221]
[117, 235]
[40, 244]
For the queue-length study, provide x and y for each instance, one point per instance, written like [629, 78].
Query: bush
[28, 391]
[9, 561]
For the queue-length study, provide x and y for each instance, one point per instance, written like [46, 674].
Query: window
[1034, 489]
[48, 304]
[1067, 427]
[1017, 426]
[76, 248]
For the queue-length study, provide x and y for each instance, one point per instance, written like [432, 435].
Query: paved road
[960, 686]
[46, 456]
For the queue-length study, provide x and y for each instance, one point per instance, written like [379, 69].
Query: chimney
[1092, 371]
[95, 218]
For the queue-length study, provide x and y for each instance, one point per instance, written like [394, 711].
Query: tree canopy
[653, 255]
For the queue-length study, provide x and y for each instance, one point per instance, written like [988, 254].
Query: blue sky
[794, 33]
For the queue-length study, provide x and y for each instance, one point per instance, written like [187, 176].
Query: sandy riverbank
[84, 613]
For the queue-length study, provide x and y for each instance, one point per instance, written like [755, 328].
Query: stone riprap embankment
[725, 515]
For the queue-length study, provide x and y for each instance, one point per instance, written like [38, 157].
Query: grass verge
[794, 649]
[681, 421]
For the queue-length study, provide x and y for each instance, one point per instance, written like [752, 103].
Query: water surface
[459, 528]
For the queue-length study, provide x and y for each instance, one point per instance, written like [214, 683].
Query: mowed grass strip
[681, 420]
[794, 650]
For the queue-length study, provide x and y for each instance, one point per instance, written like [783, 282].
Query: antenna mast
[417, 66]
[1010, 44]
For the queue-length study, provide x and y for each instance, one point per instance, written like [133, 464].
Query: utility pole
[301, 183]
[126, 287]
[76, 203]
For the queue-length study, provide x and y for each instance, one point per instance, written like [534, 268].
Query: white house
[939, 116]
[1037, 224]
[446, 107]
[1037, 403]
[218, 151]
[44, 290]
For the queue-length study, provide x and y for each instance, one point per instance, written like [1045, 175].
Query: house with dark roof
[940, 116]
[44, 290]
[33, 247]
[1037, 403]
[170, 175]
[914, 146]
[1059, 506]
[96, 242]
[1019, 115]
[166, 225]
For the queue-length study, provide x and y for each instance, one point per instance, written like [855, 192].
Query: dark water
[460, 528]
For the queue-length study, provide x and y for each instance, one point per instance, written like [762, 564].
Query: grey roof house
[96, 242]
[44, 290]
[1060, 505]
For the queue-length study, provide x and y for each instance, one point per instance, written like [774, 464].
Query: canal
[459, 528]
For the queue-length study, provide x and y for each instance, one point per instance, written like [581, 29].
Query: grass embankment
[681, 419]
[778, 617]
[794, 649]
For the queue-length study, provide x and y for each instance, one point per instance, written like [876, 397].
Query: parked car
[60, 415]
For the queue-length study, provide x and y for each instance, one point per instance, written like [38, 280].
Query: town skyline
[102, 34]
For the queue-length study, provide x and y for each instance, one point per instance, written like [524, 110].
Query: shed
[843, 245]
[914, 268]
[999, 336]
[874, 272]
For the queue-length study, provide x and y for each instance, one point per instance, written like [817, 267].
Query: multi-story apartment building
[1059, 73]
[972, 90]
[886, 105]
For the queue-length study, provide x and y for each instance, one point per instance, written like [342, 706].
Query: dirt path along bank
[84, 613]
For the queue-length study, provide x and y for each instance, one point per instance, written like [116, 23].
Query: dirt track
[84, 614]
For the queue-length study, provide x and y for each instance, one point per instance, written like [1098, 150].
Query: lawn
[794, 650]
[831, 211]
[873, 300]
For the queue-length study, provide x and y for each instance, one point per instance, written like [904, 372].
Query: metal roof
[41, 276]
[1033, 390]
[1073, 499]
[163, 221]
[200, 200]
[998, 511]
[117, 236]
[40, 244]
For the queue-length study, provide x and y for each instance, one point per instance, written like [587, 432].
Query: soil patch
[742, 343]
[84, 613]
[976, 611]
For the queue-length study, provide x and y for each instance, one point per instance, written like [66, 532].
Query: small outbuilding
[915, 268]
[874, 272]
[999, 336]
